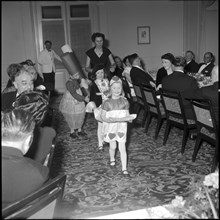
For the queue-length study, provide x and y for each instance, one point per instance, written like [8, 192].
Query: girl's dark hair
[95, 69]
[169, 56]
[95, 35]
[36, 102]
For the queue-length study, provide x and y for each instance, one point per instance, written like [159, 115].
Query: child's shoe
[74, 135]
[125, 173]
[82, 133]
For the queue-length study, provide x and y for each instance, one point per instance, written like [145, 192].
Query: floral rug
[157, 173]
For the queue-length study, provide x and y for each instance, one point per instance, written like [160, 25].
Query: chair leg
[137, 110]
[215, 158]
[144, 118]
[159, 123]
[166, 132]
[196, 148]
[185, 137]
[148, 122]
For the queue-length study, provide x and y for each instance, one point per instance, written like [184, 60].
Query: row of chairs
[169, 107]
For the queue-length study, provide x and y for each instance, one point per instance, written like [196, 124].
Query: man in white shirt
[207, 66]
[46, 61]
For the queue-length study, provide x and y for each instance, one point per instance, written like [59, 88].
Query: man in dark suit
[207, 66]
[191, 65]
[22, 81]
[138, 75]
[20, 175]
[179, 81]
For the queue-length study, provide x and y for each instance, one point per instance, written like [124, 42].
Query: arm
[71, 87]
[88, 65]
[105, 119]
[128, 77]
[113, 65]
[57, 56]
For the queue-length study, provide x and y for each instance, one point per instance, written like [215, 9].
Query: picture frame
[143, 35]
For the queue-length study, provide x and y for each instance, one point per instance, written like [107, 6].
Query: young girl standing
[72, 106]
[99, 92]
[115, 115]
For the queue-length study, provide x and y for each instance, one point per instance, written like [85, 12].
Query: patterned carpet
[158, 172]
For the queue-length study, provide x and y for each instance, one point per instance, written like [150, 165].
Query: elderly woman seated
[28, 65]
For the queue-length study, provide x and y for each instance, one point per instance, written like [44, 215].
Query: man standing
[46, 61]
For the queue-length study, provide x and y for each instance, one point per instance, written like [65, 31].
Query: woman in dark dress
[167, 69]
[99, 55]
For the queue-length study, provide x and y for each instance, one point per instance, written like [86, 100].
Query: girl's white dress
[116, 108]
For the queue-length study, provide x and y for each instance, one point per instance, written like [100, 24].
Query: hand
[153, 84]
[87, 99]
[158, 87]
[112, 69]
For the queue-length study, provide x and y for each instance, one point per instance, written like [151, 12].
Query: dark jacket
[139, 76]
[20, 175]
[208, 69]
[7, 100]
[179, 81]
[191, 67]
[208, 92]
[161, 73]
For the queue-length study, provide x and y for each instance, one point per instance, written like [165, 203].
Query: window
[51, 12]
[77, 11]
[65, 22]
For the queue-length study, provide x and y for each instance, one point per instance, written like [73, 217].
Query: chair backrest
[173, 104]
[204, 115]
[137, 90]
[150, 99]
[126, 89]
[41, 204]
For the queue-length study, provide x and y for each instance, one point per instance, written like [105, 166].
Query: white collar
[138, 67]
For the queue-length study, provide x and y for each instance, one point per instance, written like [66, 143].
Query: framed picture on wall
[143, 35]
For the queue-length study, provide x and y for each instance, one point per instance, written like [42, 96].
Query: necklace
[98, 52]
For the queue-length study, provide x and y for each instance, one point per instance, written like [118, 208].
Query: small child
[115, 115]
[72, 106]
[99, 92]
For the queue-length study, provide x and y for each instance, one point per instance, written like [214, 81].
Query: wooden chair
[43, 203]
[127, 90]
[140, 102]
[153, 106]
[207, 128]
[175, 115]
